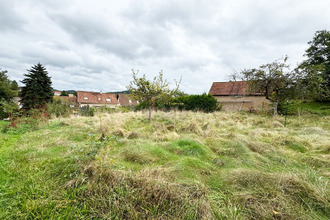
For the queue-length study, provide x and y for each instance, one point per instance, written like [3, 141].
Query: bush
[86, 111]
[3, 114]
[58, 108]
[204, 102]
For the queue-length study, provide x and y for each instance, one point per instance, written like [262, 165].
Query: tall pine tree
[38, 88]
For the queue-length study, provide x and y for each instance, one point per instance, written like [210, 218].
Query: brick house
[126, 100]
[235, 96]
[96, 99]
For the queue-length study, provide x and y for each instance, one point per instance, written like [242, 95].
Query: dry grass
[188, 165]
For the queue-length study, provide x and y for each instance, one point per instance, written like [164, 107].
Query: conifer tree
[38, 88]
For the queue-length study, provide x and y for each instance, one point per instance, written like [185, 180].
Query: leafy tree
[9, 107]
[64, 93]
[315, 71]
[38, 88]
[274, 80]
[149, 92]
[8, 88]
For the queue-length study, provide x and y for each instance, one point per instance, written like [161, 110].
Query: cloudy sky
[93, 45]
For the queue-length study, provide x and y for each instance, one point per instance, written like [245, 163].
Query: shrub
[204, 102]
[86, 111]
[58, 108]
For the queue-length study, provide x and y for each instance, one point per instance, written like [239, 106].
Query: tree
[9, 107]
[274, 80]
[151, 92]
[38, 88]
[64, 93]
[315, 70]
[8, 88]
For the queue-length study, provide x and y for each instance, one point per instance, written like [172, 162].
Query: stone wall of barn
[237, 103]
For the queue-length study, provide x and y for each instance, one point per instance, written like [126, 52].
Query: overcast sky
[93, 45]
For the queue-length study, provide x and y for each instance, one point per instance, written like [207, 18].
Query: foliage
[58, 108]
[38, 88]
[8, 90]
[204, 102]
[64, 93]
[274, 80]
[105, 109]
[86, 111]
[150, 93]
[8, 107]
[315, 71]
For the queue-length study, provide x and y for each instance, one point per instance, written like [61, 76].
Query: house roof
[123, 100]
[229, 88]
[96, 98]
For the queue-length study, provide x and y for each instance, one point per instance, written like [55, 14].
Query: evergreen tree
[38, 88]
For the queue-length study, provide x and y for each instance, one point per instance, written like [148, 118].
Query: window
[130, 101]
[99, 99]
[108, 100]
[86, 98]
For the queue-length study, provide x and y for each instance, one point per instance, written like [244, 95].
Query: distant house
[126, 100]
[17, 100]
[57, 93]
[96, 99]
[235, 96]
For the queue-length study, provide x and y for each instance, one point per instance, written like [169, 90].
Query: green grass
[182, 165]
[318, 108]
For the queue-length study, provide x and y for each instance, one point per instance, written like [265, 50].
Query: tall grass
[181, 165]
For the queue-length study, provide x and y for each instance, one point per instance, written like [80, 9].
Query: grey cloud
[10, 18]
[90, 45]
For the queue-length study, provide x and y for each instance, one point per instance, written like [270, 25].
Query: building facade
[234, 96]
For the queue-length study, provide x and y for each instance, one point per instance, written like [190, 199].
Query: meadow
[181, 165]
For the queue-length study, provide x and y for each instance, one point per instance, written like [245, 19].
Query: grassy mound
[181, 165]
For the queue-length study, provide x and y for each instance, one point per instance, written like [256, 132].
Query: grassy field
[182, 165]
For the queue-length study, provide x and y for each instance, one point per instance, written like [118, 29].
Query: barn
[235, 96]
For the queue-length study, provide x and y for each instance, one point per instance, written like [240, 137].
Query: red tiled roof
[96, 98]
[123, 100]
[229, 88]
